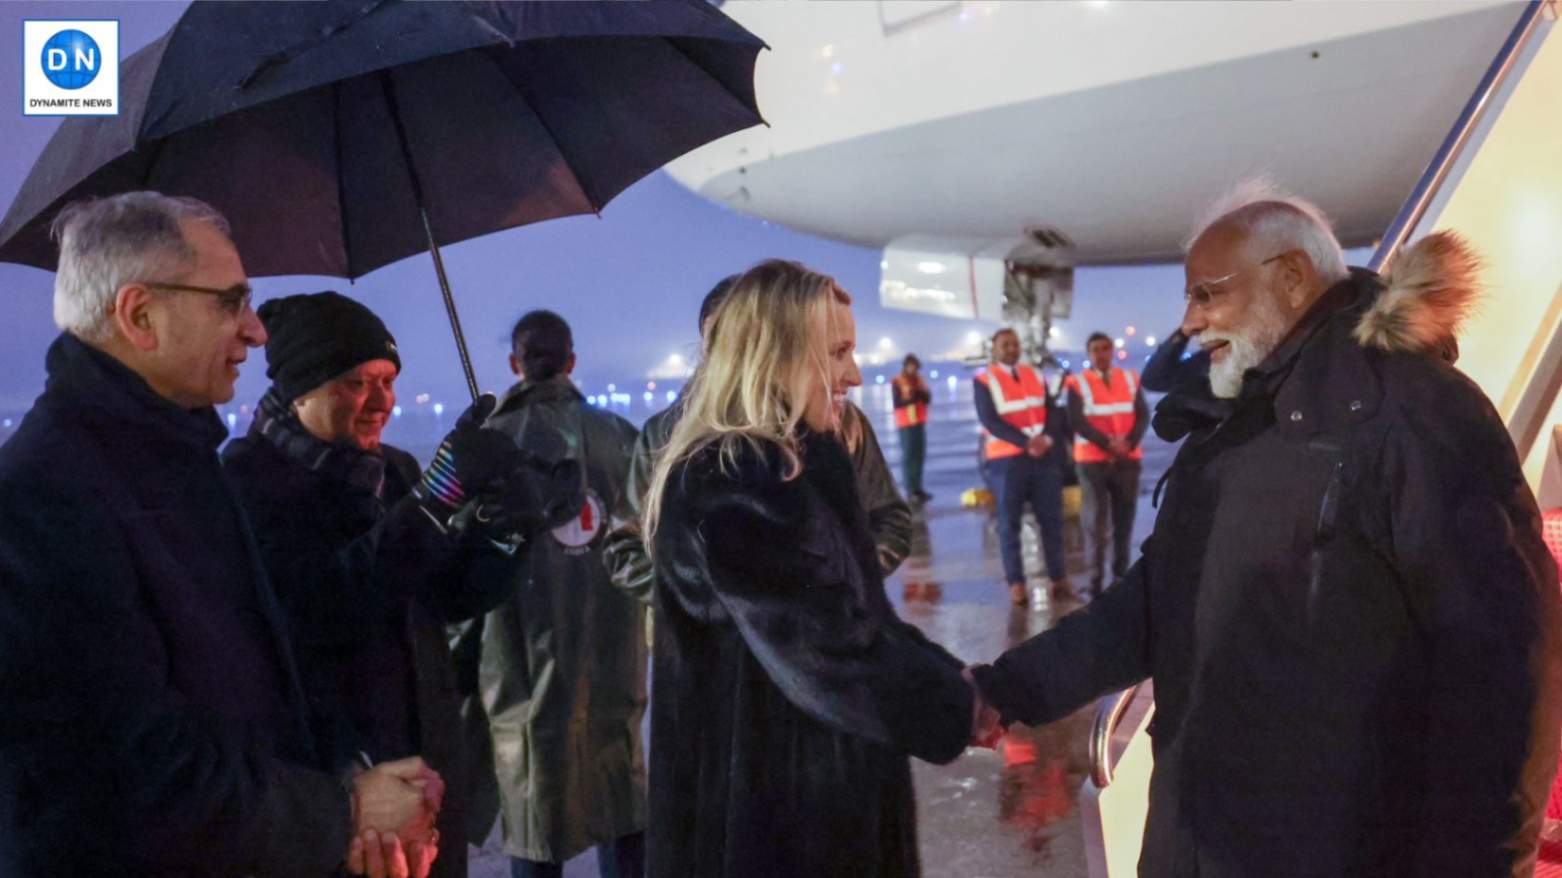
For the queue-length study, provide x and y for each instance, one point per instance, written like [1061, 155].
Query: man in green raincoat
[563, 669]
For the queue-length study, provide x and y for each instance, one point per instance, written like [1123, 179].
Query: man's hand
[401, 797]
[1119, 447]
[467, 462]
[1038, 445]
[986, 724]
[382, 856]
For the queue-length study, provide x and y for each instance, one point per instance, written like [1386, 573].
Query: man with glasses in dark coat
[152, 721]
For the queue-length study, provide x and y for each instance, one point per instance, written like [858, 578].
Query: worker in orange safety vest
[911, 401]
[1106, 407]
[1020, 462]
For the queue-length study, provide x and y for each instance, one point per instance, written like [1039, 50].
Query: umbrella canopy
[321, 129]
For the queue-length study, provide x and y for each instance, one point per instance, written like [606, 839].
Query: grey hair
[1273, 221]
[106, 243]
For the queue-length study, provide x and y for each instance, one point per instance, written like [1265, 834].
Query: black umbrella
[341, 136]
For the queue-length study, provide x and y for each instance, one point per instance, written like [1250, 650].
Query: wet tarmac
[990, 814]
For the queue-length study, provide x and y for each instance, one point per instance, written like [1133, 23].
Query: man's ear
[569, 367]
[515, 366]
[1294, 280]
[133, 312]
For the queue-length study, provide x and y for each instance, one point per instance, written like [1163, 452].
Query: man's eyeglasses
[234, 299]
[1201, 295]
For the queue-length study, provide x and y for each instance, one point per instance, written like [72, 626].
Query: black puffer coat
[786, 694]
[367, 590]
[1347, 609]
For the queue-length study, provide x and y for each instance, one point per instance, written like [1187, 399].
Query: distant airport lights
[886, 343]
[439, 409]
[396, 412]
[1149, 341]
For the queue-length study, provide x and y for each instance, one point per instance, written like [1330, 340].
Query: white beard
[1244, 349]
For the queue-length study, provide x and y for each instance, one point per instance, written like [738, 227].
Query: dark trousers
[913, 451]
[1016, 480]
[1111, 491]
[623, 858]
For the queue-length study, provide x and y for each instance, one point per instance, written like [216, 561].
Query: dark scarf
[363, 472]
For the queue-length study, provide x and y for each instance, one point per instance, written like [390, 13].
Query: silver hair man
[106, 243]
[1246, 321]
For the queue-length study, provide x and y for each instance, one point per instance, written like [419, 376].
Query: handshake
[986, 723]
[481, 477]
[394, 808]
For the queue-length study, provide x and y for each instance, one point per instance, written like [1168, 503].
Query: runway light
[650, 385]
[1119, 343]
[243, 410]
[953, 382]
[612, 388]
[1068, 364]
[973, 337]
[396, 412]
[1129, 330]
[233, 421]
[1122, 355]
[930, 267]
[675, 358]
[672, 395]
[8, 422]
[886, 343]
[934, 374]
[649, 396]
[421, 398]
[879, 379]
[1149, 341]
[439, 408]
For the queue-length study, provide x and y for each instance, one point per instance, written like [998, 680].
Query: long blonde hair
[764, 349]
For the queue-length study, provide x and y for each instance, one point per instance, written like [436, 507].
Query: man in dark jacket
[563, 663]
[152, 721]
[367, 576]
[1346, 606]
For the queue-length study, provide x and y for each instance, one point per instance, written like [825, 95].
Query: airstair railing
[1469, 119]
[1109, 713]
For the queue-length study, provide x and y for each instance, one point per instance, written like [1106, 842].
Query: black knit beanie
[315, 337]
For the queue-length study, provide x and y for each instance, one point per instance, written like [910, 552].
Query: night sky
[629, 282]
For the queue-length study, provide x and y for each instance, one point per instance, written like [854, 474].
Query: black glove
[539, 495]
[467, 462]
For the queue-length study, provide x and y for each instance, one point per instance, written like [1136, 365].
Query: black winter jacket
[367, 597]
[152, 722]
[1349, 615]
[786, 692]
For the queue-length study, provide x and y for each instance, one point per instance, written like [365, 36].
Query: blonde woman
[787, 695]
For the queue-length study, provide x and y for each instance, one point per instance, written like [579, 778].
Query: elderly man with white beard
[1346, 607]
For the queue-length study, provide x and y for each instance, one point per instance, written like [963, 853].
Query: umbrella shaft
[450, 305]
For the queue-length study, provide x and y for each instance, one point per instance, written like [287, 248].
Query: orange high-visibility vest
[1108, 407]
[915, 413]
[1022, 403]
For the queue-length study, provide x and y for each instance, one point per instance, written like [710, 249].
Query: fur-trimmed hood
[1429, 290]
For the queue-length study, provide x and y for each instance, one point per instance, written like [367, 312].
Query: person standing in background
[1021, 463]
[563, 662]
[911, 401]
[1107, 410]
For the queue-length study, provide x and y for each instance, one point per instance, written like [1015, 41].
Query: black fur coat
[786, 693]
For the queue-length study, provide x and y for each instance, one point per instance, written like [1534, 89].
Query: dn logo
[71, 59]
